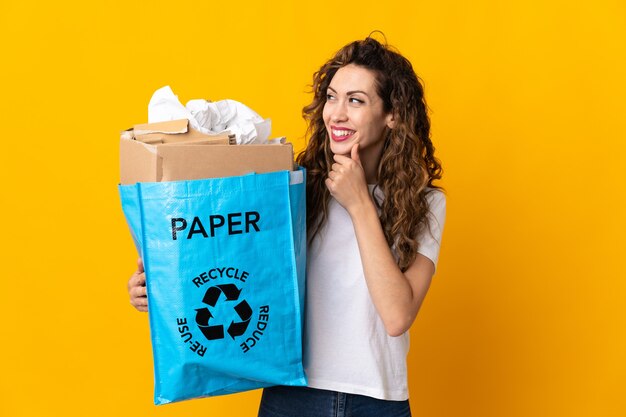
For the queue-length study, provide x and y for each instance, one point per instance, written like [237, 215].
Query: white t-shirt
[347, 348]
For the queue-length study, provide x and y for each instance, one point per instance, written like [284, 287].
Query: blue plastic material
[225, 262]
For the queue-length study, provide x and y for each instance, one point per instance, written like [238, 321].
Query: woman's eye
[329, 96]
[356, 100]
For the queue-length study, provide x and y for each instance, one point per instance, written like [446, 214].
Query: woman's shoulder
[436, 197]
[430, 242]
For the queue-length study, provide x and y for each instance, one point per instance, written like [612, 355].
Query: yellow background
[526, 314]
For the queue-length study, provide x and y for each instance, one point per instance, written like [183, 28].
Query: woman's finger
[341, 159]
[330, 184]
[140, 301]
[138, 292]
[137, 280]
[141, 278]
[337, 167]
[140, 304]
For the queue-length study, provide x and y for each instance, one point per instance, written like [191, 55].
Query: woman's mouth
[341, 134]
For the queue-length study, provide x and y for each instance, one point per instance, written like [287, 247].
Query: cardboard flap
[171, 127]
[181, 162]
[138, 162]
[222, 139]
[176, 131]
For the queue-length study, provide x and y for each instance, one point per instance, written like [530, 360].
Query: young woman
[374, 223]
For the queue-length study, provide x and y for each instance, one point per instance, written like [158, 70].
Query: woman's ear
[390, 121]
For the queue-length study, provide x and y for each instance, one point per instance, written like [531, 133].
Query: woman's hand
[137, 288]
[346, 181]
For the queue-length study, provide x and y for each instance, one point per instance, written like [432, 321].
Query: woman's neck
[370, 159]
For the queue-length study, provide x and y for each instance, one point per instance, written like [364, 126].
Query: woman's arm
[397, 296]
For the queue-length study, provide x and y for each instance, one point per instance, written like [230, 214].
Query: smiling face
[354, 113]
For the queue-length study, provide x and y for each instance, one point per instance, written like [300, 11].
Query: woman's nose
[339, 113]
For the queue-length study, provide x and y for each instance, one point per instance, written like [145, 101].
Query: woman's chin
[341, 148]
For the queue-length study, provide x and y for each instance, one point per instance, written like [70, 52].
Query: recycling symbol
[211, 297]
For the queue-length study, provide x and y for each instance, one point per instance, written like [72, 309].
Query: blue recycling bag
[225, 262]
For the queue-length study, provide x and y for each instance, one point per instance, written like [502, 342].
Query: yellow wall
[525, 316]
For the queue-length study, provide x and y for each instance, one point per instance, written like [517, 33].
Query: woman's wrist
[364, 206]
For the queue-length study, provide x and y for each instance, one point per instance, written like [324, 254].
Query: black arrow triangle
[211, 296]
[230, 291]
[202, 316]
[212, 332]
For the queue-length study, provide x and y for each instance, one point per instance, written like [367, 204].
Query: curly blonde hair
[407, 165]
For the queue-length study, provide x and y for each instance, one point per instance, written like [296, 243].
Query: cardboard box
[173, 151]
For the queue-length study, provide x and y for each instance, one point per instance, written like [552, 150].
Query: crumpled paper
[211, 117]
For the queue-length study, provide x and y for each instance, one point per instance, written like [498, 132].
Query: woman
[374, 221]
